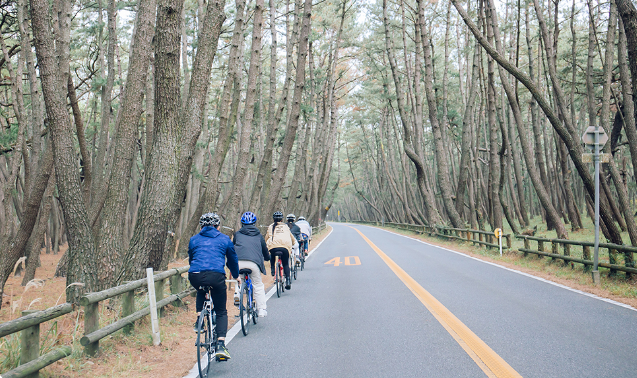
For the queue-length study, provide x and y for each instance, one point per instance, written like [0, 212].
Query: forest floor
[617, 288]
[120, 356]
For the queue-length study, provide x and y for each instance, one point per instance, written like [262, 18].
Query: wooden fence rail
[565, 245]
[29, 323]
[488, 239]
[485, 238]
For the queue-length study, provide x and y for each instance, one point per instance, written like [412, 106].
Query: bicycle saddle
[207, 289]
[277, 253]
[245, 271]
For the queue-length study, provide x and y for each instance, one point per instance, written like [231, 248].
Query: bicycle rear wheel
[277, 280]
[244, 309]
[281, 275]
[294, 270]
[302, 261]
[205, 345]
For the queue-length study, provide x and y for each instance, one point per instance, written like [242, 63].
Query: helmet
[301, 218]
[277, 216]
[209, 219]
[291, 217]
[248, 218]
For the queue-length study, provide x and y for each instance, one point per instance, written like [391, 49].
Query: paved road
[364, 321]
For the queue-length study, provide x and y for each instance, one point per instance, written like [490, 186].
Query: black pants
[285, 256]
[217, 281]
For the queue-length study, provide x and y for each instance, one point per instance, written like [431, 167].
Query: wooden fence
[29, 324]
[488, 239]
[485, 238]
[565, 246]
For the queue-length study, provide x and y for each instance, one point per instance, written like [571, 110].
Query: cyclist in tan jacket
[280, 241]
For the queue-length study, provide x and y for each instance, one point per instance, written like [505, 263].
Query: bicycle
[278, 274]
[247, 305]
[303, 250]
[206, 327]
[294, 268]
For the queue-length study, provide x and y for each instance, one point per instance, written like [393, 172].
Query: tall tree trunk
[34, 244]
[100, 164]
[290, 132]
[81, 262]
[238, 181]
[208, 199]
[628, 13]
[110, 237]
[156, 211]
[627, 94]
[467, 125]
[441, 155]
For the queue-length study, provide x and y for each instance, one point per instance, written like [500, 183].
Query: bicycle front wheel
[244, 309]
[205, 347]
[253, 307]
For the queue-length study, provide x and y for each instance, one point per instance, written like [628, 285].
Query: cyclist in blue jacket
[207, 255]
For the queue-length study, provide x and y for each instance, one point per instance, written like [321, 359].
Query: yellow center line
[490, 362]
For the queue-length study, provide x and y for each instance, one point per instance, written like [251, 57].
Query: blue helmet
[248, 218]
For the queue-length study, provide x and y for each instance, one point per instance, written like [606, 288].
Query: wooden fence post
[128, 307]
[159, 295]
[30, 344]
[176, 288]
[91, 324]
[509, 243]
[586, 255]
[527, 245]
[612, 258]
[540, 248]
[554, 250]
[153, 306]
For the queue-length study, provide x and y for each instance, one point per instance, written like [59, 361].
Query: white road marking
[511, 270]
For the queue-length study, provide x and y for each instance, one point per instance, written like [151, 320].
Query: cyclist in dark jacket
[207, 254]
[296, 231]
[252, 251]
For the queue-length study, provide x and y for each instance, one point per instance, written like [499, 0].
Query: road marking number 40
[349, 260]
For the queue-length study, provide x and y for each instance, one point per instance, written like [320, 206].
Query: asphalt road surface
[391, 306]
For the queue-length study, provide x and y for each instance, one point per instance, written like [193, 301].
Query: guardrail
[29, 323]
[612, 249]
[485, 238]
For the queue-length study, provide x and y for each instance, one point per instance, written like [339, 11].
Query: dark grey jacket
[295, 230]
[250, 245]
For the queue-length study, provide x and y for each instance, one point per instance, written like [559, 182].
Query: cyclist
[306, 233]
[252, 250]
[280, 239]
[207, 254]
[296, 231]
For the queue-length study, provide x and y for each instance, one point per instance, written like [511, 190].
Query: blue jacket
[208, 251]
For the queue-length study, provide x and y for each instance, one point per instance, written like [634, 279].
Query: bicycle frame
[248, 282]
